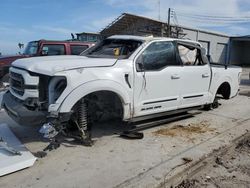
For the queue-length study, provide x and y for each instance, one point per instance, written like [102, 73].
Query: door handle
[205, 75]
[175, 76]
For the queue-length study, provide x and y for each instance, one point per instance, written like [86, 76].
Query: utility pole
[169, 14]
[159, 10]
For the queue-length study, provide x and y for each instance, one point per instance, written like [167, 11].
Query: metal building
[220, 47]
[240, 50]
[88, 37]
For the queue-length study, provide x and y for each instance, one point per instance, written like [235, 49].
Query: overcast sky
[26, 20]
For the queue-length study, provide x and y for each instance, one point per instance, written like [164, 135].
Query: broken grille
[17, 83]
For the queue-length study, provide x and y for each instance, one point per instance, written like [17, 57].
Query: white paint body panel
[195, 81]
[85, 75]
[50, 65]
[11, 163]
[157, 86]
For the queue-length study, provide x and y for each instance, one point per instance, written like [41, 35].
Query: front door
[156, 79]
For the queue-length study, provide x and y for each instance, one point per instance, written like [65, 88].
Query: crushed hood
[49, 65]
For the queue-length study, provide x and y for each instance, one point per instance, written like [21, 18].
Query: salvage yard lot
[156, 160]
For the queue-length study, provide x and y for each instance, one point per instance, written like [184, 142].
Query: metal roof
[129, 37]
[125, 22]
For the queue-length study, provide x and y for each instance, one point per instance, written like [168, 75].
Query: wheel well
[224, 90]
[104, 105]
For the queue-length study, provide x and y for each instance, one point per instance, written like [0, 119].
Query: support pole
[169, 12]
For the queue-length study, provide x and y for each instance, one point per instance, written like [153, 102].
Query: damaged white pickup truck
[128, 77]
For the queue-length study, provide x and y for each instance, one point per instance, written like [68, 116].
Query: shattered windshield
[113, 48]
[31, 48]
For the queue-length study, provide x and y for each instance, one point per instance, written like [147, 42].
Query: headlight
[56, 87]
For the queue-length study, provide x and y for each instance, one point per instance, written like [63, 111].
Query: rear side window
[190, 55]
[77, 49]
[53, 49]
[159, 55]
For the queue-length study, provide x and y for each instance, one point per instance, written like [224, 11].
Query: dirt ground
[224, 168]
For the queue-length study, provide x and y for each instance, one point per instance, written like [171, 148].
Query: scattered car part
[54, 144]
[132, 135]
[8, 148]
[48, 130]
[9, 162]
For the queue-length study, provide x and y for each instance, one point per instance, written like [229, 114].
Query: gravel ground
[224, 168]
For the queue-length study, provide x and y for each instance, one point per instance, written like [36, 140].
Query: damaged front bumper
[22, 115]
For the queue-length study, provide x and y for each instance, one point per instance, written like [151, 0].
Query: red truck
[42, 48]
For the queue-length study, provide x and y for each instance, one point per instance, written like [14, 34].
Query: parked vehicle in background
[42, 48]
[127, 77]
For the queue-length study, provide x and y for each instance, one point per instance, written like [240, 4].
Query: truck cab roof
[151, 38]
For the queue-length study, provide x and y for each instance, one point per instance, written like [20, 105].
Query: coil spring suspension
[82, 122]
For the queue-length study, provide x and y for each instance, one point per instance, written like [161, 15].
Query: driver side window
[157, 56]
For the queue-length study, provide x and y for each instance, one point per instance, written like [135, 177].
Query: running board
[134, 134]
[172, 112]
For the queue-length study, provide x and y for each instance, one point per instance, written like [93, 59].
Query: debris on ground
[187, 183]
[187, 159]
[185, 131]
[244, 145]
[14, 156]
[227, 167]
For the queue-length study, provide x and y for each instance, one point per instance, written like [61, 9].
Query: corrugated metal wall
[215, 44]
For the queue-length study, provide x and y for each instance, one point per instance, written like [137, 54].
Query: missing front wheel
[81, 121]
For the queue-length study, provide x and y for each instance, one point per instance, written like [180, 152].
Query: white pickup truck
[128, 77]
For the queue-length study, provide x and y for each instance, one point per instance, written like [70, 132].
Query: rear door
[195, 76]
[156, 79]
